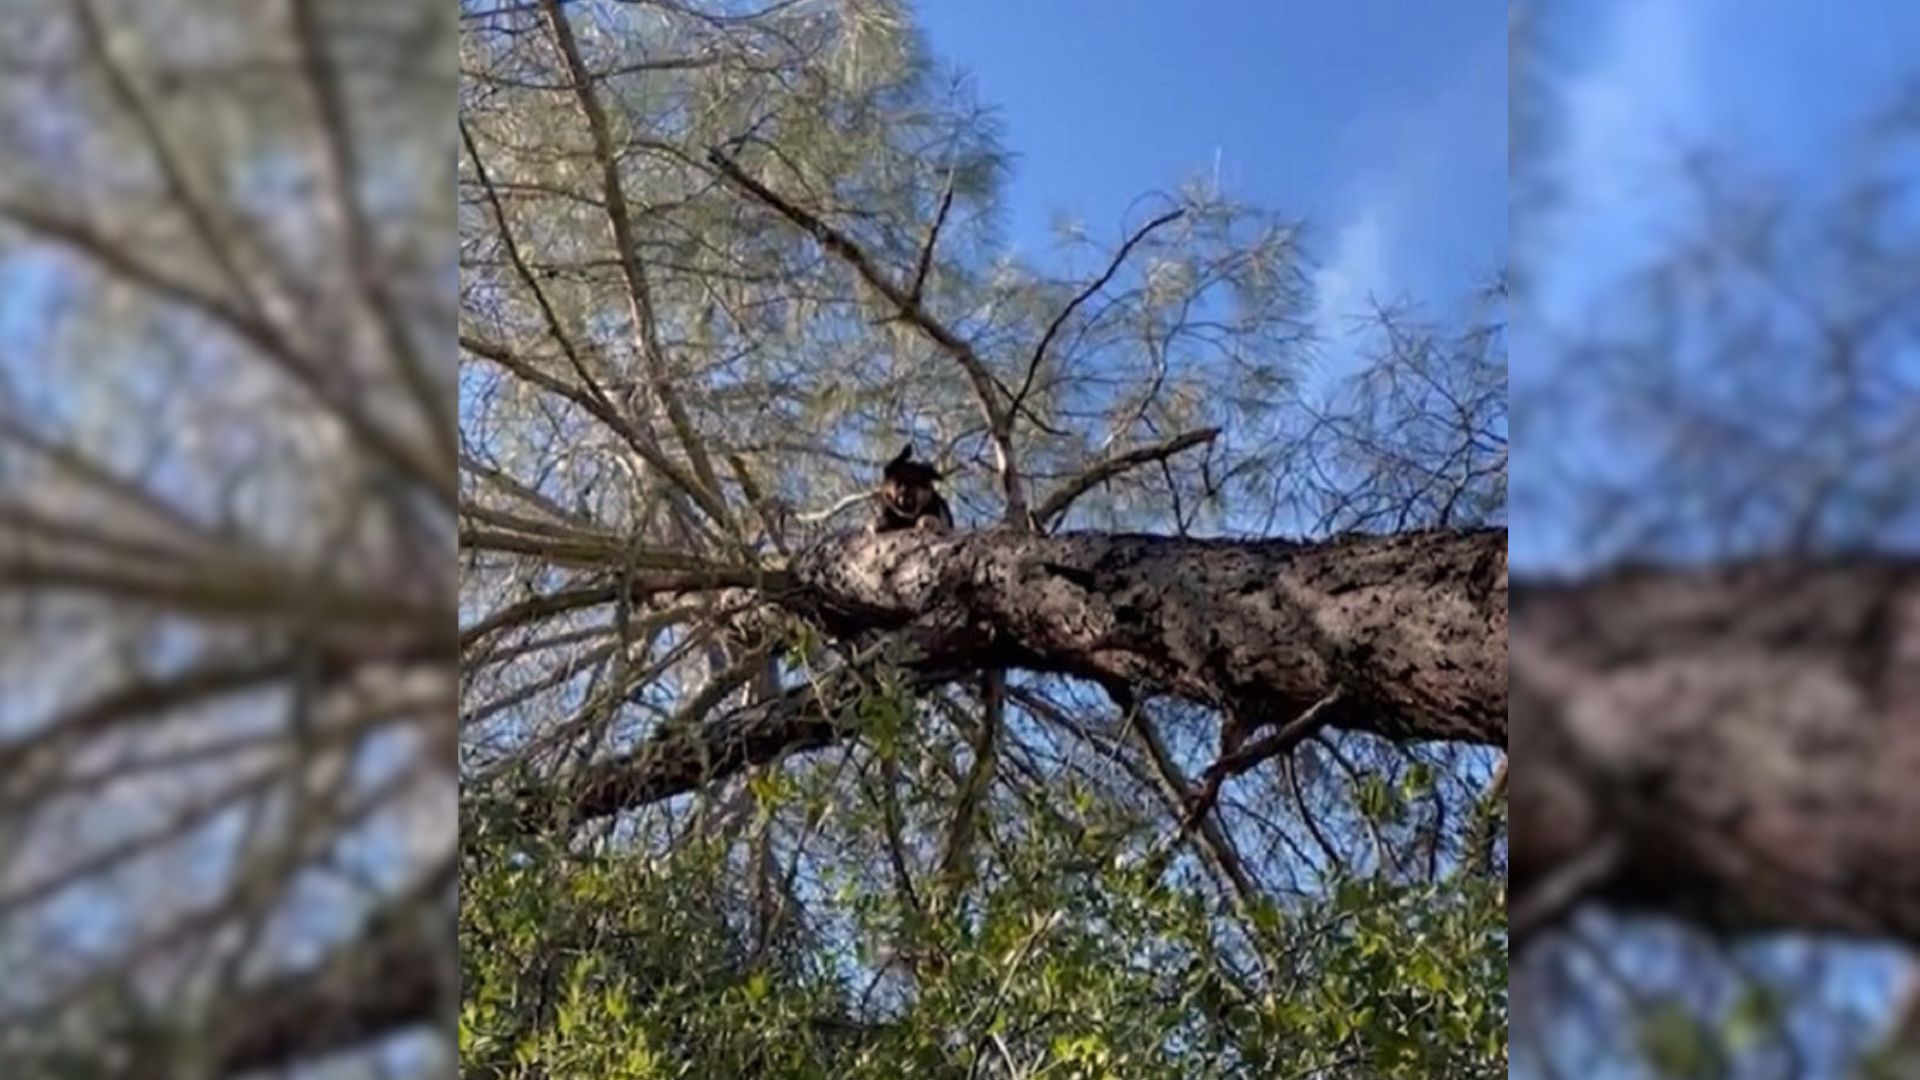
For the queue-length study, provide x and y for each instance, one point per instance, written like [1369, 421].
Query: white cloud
[1624, 116]
[1356, 269]
[1643, 81]
[1421, 205]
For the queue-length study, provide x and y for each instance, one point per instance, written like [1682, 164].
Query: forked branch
[1060, 320]
[1100, 472]
[910, 308]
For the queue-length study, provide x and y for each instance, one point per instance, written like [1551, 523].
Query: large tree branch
[1411, 629]
[1413, 625]
[1744, 742]
[682, 760]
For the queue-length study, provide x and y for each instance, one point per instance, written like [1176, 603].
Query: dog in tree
[906, 497]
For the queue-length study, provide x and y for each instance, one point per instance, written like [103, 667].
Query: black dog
[906, 498]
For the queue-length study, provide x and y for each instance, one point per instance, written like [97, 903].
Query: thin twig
[1290, 735]
[1060, 320]
[933, 237]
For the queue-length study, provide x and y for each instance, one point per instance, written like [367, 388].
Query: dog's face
[907, 485]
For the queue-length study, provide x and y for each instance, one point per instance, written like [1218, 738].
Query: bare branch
[1060, 320]
[711, 578]
[1062, 500]
[1245, 758]
[393, 976]
[985, 388]
[840, 506]
[179, 186]
[110, 255]
[933, 238]
[626, 245]
[342, 175]
[597, 405]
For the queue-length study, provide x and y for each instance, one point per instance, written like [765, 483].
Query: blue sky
[1781, 86]
[1381, 123]
[1782, 83]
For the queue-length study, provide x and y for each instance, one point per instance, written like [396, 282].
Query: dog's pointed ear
[905, 455]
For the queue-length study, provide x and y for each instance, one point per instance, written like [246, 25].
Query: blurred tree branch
[227, 469]
[1745, 735]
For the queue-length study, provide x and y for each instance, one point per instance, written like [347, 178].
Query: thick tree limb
[683, 761]
[1748, 738]
[1412, 627]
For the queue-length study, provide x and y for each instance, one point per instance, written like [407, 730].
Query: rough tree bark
[1411, 628]
[1739, 747]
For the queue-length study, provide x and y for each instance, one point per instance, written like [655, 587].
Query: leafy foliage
[1073, 962]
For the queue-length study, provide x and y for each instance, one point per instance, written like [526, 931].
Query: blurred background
[228, 481]
[1715, 647]
[226, 566]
